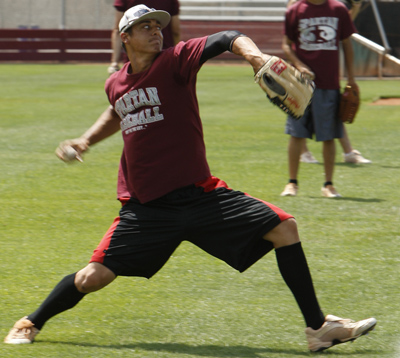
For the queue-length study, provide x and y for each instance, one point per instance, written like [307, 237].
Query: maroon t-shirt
[163, 136]
[170, 6]
[316, 31]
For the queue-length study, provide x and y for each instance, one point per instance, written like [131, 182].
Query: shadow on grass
[216, 351]
[361, 200]
[352, 165]
[358, 165]
[343, 164]
[349, 198]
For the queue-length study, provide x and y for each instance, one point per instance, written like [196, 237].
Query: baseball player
[166, 189]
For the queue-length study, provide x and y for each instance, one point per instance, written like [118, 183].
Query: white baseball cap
[141, 12]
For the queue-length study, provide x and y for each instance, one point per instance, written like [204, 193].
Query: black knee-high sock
[63, 297]
[294, 270]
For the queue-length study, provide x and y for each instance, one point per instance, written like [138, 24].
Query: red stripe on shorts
[212, 183]
[283, 215]
[100, 252]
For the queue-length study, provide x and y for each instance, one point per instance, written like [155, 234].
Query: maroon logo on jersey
[278, 67]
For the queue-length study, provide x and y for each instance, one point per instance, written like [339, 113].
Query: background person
[350, 155]
[314, 30]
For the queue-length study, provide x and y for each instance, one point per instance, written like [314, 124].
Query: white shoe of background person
[113, 68]
[329, 191]
[290, 190]
[307, 157]
[355, 157]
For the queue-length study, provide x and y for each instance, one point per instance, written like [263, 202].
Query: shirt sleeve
[348, 27]
[187, 57]
[290, 26]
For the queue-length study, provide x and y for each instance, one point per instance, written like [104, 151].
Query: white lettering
[153, 96]
[136, 99]
[130, 99]
[319, 33]
[134, 122]
[143, 101]
[328, 21]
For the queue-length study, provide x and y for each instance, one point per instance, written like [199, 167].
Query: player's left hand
[285, 86]
[354, 86]
[349, 103]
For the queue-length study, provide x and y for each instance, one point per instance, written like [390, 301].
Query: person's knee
[284, 234]
[93, 278]
[288, 229]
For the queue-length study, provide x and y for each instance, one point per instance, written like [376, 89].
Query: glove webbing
[280, 104]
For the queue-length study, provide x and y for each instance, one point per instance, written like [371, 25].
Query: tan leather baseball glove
[285, 86]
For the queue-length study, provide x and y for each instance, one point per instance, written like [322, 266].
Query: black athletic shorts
[225, 223]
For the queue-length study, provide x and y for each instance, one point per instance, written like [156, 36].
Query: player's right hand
[72, 149]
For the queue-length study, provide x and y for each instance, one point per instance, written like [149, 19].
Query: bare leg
[93, 277]
[294, 151]
[304, 148]
[345, 142]
[329, 153]
[351, 155]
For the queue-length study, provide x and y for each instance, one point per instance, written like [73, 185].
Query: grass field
[53, 215]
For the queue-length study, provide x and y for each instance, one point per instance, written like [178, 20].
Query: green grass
[54, 214]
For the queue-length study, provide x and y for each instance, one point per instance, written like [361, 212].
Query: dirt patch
[389, 101]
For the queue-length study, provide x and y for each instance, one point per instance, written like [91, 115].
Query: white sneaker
[307, 157]
[337, 330]
[355, 157]
[329, 191]
[290, 190]
[113, 68]
[23, 332]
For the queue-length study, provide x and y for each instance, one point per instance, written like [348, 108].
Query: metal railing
[233, 10]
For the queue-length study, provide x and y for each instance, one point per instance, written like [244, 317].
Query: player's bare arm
[106, 125]
[292, 57]
[245, 47]
[348, 60]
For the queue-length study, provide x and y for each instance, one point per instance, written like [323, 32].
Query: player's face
[146, 37]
